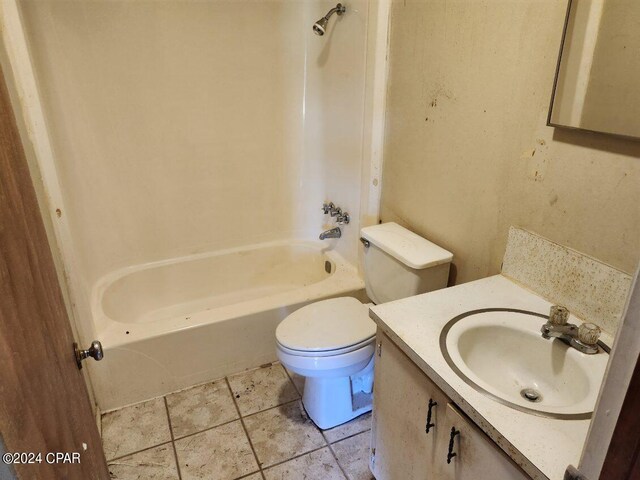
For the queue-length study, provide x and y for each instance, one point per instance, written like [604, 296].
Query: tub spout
[331, 233]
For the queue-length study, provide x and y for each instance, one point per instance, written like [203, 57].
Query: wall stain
[528, 153]
[439, 92]
[624, 175]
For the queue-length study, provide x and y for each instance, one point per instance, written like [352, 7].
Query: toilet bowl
[332, 342]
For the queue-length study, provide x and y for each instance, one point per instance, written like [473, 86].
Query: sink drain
[531, 395]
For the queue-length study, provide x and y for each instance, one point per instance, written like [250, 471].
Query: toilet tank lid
[405, 246]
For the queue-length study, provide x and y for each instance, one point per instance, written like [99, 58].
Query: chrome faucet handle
[343, 218]
[589, 333]
[335, 211]
[327, 207]
[558, 315]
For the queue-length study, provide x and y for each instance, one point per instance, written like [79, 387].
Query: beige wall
[468, 152]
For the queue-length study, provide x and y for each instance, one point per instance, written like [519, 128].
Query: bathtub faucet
[331, 233]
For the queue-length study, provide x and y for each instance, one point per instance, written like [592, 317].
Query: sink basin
[501, 353]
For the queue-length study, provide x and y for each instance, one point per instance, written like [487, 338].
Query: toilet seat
[327, 328]
[326, 353]
[342, 365]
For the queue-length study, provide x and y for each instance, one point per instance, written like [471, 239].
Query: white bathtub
[176, 323]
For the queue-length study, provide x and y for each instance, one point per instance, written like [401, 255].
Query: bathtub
[171, 324]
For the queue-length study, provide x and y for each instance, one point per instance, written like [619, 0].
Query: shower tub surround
[163, 129]
[172, 324]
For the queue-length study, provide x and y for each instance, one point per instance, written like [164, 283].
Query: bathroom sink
[501, 353]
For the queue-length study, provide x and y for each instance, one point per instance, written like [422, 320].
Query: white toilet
[332, 342]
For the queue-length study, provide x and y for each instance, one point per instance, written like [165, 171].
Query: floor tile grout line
[173, 440]
[270, 408]
[301, 454]
[102, 414]
[243, 415]
[206, 429]
[329, 444]
[296, 457]
[139, 451]
[244, 427]
[291, 380]
[240, 417]
[246, 433]
[256, 413]
[112, 410]
[334, 456]
[248, 475]
[348, 436]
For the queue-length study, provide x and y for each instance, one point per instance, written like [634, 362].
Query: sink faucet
[331, 233]
[583, 338]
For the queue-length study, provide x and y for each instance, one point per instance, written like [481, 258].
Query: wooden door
[403, 448]
[623, 455]
[44, 405]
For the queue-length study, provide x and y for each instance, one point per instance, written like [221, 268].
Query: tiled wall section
[589, 288]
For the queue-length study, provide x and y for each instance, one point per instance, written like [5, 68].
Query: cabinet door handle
[451, 453]
[429, 424]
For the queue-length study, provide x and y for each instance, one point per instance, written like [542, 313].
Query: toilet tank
[398, 263]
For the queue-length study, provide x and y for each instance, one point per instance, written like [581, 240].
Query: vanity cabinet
[409, 443]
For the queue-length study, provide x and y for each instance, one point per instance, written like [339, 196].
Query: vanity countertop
[543, 447]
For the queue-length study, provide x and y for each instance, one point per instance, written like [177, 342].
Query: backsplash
[590, 289]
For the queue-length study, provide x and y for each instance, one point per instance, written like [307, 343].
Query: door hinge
[379, 349]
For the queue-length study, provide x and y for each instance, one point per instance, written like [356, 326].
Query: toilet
[332, 342]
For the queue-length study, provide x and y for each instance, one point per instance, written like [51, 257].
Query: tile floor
[246, 426]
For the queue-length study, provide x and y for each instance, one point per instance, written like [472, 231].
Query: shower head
[321, 25]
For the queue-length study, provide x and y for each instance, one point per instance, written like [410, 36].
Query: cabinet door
[476, 456]
[402, 449]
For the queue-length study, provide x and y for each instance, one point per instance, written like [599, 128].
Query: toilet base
[332, 401]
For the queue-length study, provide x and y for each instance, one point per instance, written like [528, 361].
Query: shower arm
[339, 9]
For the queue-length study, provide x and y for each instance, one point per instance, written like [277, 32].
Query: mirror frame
[555, 84]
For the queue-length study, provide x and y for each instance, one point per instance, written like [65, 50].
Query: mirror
[597, 84]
